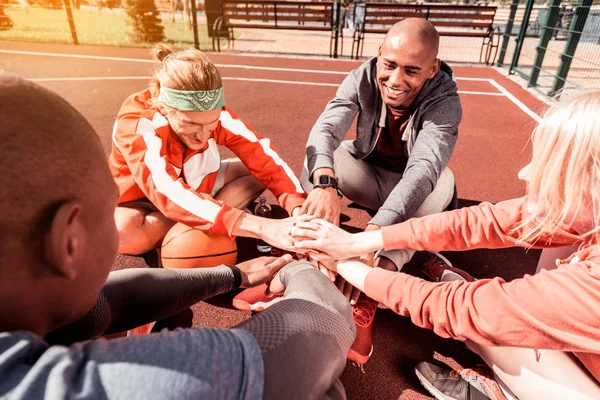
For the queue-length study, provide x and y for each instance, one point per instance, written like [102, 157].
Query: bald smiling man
[408, 113]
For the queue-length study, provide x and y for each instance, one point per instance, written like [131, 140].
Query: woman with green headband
[165, 160]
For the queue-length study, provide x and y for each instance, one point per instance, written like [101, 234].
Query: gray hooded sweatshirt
[428, 139]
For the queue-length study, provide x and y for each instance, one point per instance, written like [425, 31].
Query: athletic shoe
[364, 315]
[468, 384]
[438, 268]
[256, 299]
[142, 330]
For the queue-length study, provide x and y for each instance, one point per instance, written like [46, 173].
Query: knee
[441, 196]
[446, 181]
[132, 239]
[341, 158]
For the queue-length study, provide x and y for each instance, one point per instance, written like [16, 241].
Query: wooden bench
[449, 20]
[259, 14]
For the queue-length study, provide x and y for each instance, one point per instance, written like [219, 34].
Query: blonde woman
[540, 334]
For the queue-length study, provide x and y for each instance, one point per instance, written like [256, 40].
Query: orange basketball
[185, 247]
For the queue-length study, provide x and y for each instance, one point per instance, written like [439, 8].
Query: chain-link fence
[555, 47]
[107, 22]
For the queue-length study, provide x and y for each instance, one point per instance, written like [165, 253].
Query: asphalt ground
[282, 98]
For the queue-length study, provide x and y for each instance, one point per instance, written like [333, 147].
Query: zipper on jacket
[380, 127]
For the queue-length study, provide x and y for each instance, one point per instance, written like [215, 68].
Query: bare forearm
[354, 272]
[249, 226]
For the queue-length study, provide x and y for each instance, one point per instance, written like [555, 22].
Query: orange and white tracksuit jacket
[149, 161]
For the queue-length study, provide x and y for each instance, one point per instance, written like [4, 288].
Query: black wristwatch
[326, 181]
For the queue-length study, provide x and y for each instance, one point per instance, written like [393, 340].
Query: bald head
[418, 32]
[49, 154]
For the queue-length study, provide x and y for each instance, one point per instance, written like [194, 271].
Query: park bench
[264, 14]
[449, 20]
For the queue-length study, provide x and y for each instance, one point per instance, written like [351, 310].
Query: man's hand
[261, 270]
[323, 203]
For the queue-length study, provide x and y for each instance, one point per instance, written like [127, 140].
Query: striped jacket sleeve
[139, 141]
[261, 159]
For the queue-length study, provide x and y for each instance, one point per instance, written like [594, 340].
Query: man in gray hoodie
[408, 115]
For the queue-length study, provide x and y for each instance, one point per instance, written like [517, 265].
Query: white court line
[481, 93]
[124, 78]
[139, 60]
[516, 101]
[66, 55]
[460, 78]
[225, 78]
[89, 78]
[312, 71]
[280, 81]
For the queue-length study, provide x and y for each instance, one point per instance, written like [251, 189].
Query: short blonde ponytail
[183, 70]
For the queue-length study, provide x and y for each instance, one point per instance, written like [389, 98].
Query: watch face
[324, 180]
[327, 181]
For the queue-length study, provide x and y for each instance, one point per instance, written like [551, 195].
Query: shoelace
[364, 310]
[484, 375]
[478, 372]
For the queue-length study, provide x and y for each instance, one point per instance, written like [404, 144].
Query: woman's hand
[324, 241]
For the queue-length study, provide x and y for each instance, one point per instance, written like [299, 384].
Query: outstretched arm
[137, 296]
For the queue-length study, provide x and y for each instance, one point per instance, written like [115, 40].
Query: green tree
[145, 20]
[46, 3]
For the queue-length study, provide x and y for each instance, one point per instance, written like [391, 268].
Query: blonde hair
[564, 173]
[184, 70]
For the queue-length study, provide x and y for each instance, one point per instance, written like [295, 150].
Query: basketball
[185, 247]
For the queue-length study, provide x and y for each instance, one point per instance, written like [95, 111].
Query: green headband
[192, 100]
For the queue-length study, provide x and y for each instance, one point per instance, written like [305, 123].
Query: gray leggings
[303, 338]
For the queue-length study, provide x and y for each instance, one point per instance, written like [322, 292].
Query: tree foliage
[145, 20]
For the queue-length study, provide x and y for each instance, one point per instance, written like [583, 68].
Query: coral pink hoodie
[557, 309]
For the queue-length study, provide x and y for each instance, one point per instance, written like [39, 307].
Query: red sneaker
[256, 298]
[364, 315]
[439, 269]
[142, 330]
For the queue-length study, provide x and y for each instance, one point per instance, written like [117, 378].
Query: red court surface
[282, 98]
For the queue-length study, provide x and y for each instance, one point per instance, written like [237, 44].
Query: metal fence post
[581, 12]
[522, 33]
[71, 21]
[336, 23]
[194, 23]
[549, 28]
[508, 31]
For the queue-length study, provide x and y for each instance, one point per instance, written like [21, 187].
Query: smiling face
[405, 62]
[193, 127]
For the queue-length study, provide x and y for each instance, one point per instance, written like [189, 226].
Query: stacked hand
[325, 244]
[323, 203]
[278, 233]
[261, 270]
[325, 241]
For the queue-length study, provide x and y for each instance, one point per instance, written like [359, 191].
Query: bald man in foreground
[408, 113]
[58, 241]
